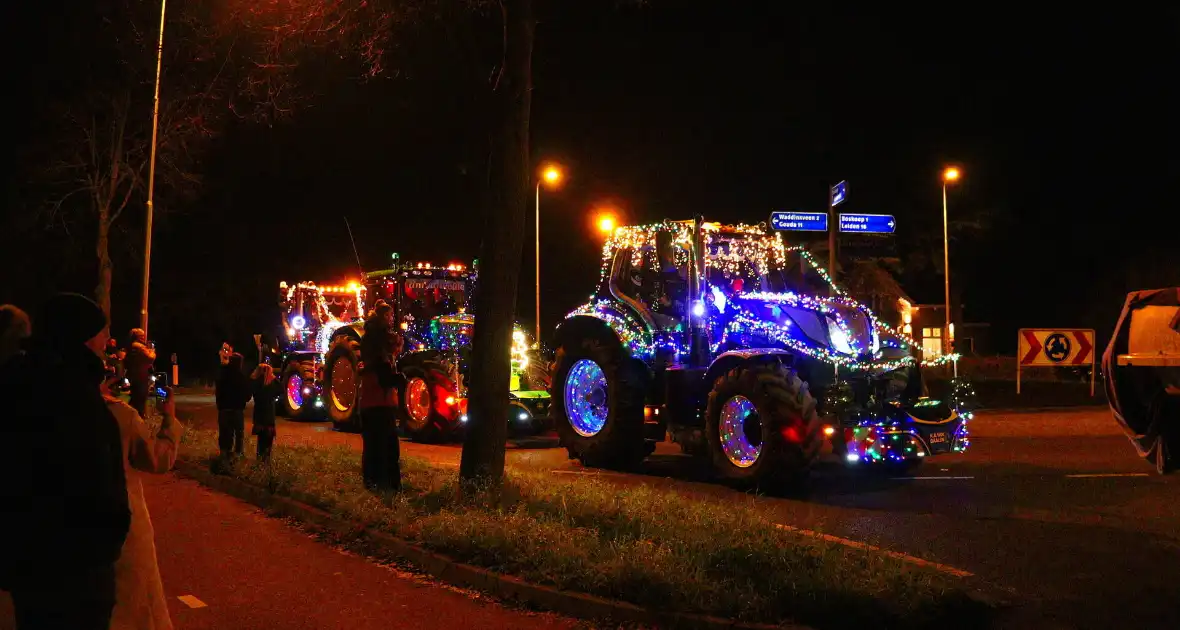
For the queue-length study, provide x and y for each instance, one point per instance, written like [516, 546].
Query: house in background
[926, 323]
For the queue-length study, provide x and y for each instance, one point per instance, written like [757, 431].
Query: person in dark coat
[266, 389]
[380, 383]
[232, 392]
[64, 512]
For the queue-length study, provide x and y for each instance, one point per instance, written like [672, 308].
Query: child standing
[266, 390]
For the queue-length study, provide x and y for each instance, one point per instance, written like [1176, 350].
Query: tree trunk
[102, 293]
[495, 300]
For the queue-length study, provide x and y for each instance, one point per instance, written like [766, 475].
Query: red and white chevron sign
[1056, 346]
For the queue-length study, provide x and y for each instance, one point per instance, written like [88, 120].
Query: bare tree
[98, 160]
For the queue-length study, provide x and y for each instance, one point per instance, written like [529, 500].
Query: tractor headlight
[839, 338]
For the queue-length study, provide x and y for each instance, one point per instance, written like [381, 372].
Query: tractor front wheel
[342, 384]
[298, 401]
[597, 403]
[762, 427]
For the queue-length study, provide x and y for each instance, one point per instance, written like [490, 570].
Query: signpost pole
[1093, 369]
[833, 225]
[1019, 358]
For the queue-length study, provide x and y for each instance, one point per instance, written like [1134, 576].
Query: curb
[443, 568]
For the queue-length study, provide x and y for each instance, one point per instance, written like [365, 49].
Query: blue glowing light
[586, 397]
[298, 322]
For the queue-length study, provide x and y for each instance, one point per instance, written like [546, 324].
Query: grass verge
[652, 548]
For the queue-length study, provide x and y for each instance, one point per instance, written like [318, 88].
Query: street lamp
[949, 176]
[606, 222]
[147, 246]
[551, 177]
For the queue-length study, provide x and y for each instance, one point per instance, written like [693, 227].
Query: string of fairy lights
[746, 250]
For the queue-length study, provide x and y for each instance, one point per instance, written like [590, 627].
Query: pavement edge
[443, 568]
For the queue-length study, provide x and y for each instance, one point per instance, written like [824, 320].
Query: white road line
[191, 601]
[927, 478]
[867, 547]
[1095, 475]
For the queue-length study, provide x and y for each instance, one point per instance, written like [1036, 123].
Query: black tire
[420, 418]
[296, 409]
[784, 420]
[342, 384]
[620, 443]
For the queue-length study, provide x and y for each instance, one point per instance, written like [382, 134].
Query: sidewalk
[254, 572]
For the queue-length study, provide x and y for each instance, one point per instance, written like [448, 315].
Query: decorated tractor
[325, 327]
[743, 351]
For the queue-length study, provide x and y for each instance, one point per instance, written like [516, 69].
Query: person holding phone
[139, 591]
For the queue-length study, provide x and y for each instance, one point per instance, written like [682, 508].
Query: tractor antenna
[359, 266]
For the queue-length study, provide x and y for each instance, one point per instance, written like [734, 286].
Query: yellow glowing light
[951, 174]
[829, 431]
[450, 400]
[951, 330]
[404, 325]
[551, 175]
[606, 224]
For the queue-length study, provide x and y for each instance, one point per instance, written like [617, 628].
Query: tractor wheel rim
[295, 391]
[417, 402]
[343, 384]
[586, 398]
[740, 432]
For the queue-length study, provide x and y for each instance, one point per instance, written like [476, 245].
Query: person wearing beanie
[64, 497]
[140, 358]
[14, 329]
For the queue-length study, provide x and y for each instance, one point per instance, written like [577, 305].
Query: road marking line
[1093, 475]
[926, 478]
[897, 555]
[191, 601]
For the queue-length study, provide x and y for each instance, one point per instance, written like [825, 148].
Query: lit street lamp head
[951, 174]
[551, 175]
[606, 223]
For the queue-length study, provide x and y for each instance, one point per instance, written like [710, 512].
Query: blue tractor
[743, 351]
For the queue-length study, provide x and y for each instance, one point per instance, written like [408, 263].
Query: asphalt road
[1050, 509]
[227, 565]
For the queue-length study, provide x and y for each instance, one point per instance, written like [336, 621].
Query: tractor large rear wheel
[762, 427]
[597, 404]
[342, 384]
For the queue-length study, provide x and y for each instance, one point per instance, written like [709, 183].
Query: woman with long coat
[139, 592]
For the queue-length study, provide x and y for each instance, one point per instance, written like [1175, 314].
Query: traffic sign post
[1055, 347]
[836, 196]
[868, 223]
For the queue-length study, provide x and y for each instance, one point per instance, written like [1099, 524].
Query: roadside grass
[654, 548]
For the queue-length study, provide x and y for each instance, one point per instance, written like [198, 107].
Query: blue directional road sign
[839, 193]
[867, 223]
[799, 221]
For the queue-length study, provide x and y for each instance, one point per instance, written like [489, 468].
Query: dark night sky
[1062, 123]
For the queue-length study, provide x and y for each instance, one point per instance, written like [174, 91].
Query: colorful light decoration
[747, 250]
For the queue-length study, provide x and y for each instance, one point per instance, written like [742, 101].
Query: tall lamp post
[949, 176]
[147, 246]
[551, 177]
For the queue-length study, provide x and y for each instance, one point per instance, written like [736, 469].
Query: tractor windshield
[744, 264]
[427, 298]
